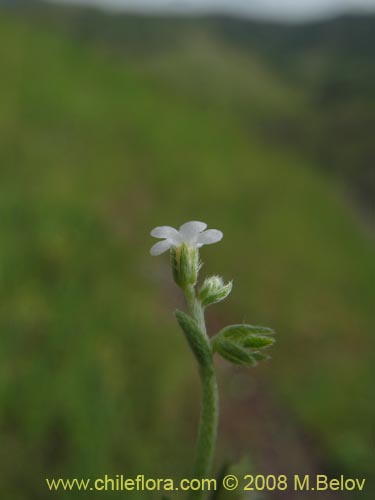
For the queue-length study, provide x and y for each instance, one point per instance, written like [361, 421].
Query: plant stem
[207, 426]
[209, 407]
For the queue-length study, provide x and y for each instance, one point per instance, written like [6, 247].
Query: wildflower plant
[241, 344]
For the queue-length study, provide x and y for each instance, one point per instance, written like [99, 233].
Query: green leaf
[234, 353]
[258, 341]
[260, 356]
[241, 332]
[196, 339]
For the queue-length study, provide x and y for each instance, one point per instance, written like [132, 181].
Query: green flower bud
[185, 264]
[214, 290]
[243, 344]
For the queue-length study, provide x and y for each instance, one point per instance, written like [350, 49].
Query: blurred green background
[113, 124]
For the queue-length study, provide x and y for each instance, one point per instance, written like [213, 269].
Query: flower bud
[214, 290]
[185, 264]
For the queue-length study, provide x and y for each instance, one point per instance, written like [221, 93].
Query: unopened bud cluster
[214, 290]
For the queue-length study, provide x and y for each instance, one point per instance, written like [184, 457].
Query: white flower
[193, 234]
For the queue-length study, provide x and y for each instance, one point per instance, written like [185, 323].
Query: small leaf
[259, 356]
[241, 332]
[197, 341]
[234, 353]
[258, 341]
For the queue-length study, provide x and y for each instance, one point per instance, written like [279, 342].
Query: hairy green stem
[209, 407]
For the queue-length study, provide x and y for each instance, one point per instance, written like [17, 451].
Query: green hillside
[96, 150]
[330, 63]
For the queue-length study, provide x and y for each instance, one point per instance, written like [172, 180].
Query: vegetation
[269, 66]
[97, 146]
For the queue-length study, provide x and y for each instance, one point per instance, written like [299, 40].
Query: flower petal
[161, 247]
[190, 230]
[167, 232]
[208, 237]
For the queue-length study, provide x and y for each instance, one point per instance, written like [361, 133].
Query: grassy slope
[93, 156]
[328, 63]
